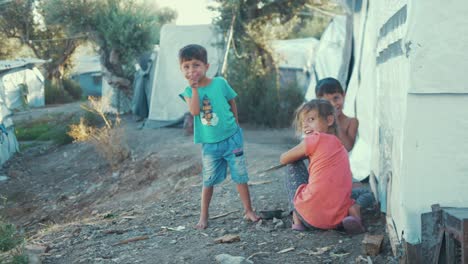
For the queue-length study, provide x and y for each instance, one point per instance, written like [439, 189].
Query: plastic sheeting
[142, 82]
[166, 107]
[334, 50]
[22, 87]
[296, 53]
[295, 58]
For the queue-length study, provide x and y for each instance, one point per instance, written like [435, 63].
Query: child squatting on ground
[321, 198]
[331, 90]
[216, 127]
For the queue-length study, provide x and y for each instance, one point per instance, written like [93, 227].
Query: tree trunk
[55, 68]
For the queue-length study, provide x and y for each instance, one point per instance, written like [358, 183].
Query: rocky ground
[75, 209]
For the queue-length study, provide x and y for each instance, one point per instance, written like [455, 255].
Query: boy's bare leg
[244, 194]
[207, 193]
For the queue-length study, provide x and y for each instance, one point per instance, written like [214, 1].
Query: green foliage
[20, 259]
[53, 128]
[123, 29]
[313, 27]
[127, 30]
[54, 95]
[259, 101]
[9, 237]
[72, 88]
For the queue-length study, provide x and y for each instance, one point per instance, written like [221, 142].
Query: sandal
[352, 225]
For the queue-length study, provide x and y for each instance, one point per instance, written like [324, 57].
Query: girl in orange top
[322, 198]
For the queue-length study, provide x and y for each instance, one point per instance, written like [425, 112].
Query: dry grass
[108, 140]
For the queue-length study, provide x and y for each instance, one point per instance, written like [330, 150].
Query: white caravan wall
[434, 165]
[409, 91]
[169, 81]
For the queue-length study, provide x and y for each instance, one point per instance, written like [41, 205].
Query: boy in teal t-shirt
[216, 127]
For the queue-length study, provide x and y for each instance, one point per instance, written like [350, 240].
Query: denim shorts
[216, 157]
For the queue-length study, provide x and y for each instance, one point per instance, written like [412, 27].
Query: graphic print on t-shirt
[208, 118]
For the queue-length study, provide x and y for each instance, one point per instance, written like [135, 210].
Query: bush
[72, 88]
[12, 243]
[9, 237]
[55, 95]
[108, 140]
[260, 101]
[52, 128]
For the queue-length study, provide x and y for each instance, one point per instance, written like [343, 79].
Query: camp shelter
[8, 143]
[88, 73]
[166, 108]
[295, 58]
[21, 83]
[333, 55]
[142, 82]
[409, 89]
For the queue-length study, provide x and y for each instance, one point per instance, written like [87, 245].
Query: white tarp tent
[8, 143]
[22, 84]
[166, 107]
[409, 91]
[295, 57]
[333, 53]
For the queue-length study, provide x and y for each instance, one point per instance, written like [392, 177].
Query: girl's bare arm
[294, 154]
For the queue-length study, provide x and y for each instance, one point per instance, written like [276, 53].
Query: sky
[190, 12]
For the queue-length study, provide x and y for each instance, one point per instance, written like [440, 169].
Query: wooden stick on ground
[133, 239]
[223, 215]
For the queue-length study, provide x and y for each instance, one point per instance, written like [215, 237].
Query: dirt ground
[69, 201]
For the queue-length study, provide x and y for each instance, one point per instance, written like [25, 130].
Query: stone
[228, 239]
[372, 244]
[228, 259]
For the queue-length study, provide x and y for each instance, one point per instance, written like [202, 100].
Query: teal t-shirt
[216, 122]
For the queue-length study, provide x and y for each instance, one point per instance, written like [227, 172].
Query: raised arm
[233, 105]
[294, 154]
[194, 102]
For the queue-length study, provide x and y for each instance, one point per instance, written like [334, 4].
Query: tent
[88, 73]
[21, 83]
[295, 58]
[142, 82]
[166, 108]
[409, 90]
[8, 143]
[333, 53]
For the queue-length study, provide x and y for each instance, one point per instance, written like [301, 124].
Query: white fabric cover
[168, 81]
[11, 81]
[295, 53]
[334, 51]
[86, 63]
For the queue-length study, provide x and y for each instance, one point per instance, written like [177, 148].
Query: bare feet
[202, 224]
[250, 215]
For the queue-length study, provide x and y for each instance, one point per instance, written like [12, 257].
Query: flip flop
[298, 227]
[352, 225]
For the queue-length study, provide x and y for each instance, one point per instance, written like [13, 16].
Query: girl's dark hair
[324, 109]
[328, 86]
[193, 51]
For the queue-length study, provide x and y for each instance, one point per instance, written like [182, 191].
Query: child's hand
[193, 81]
